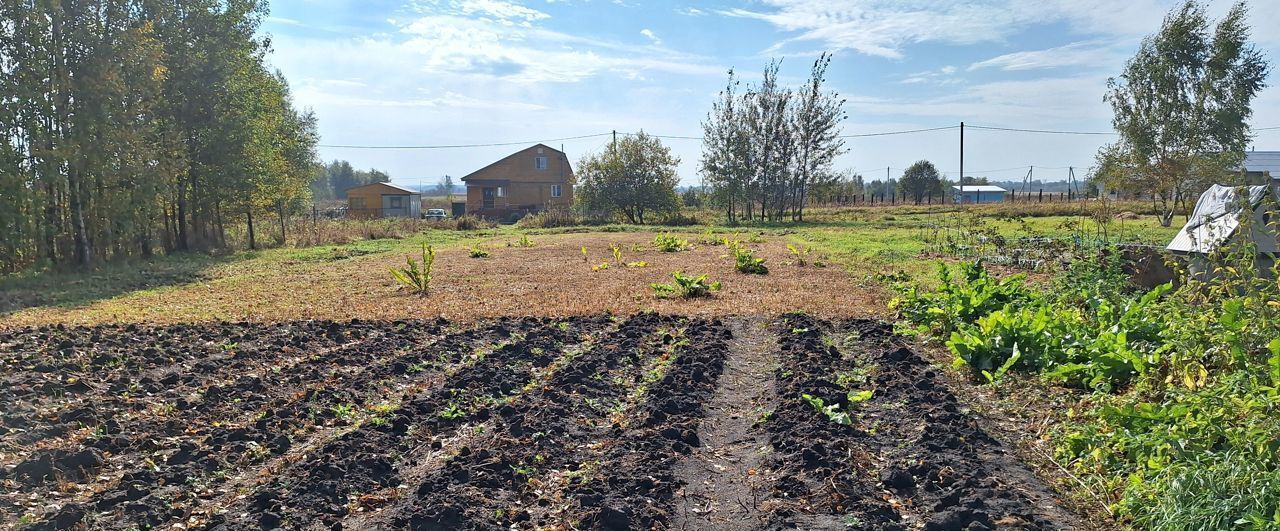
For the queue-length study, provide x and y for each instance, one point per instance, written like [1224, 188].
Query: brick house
[531, 180]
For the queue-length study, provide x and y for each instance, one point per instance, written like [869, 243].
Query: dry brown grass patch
[549, 279]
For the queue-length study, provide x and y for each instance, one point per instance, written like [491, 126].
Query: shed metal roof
[1263, 161]
[980, 188]
[389, 185]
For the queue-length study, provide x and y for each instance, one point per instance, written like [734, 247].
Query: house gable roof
[479, 174]
[386, 185]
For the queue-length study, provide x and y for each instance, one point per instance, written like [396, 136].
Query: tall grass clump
[1180, 428]
[417, 276]
[550, 219]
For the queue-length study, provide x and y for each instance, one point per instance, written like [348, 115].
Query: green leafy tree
[1181, 106]
[920, 180]
[635, 177]
[132, 126]
[816, 122]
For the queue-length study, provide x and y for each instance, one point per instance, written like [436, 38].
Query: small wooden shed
[383, 200]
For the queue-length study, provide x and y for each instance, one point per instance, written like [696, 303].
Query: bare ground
[726, 479]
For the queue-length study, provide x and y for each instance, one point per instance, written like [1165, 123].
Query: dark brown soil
[644, 422]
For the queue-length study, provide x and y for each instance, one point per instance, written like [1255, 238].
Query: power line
[907, 131]
[456, 146]
[1045, 131]
[680, 137]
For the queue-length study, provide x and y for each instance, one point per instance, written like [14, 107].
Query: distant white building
[978, 193]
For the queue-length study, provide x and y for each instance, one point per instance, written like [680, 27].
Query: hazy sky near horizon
[449, 72]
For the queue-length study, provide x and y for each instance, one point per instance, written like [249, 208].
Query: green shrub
[670, 244]
[799, 255]
[1182, 426]
[550, 219]
[745, 261]
[958, 302]
[469, 222]
[686, 286]
[678, 219]
[479, 252]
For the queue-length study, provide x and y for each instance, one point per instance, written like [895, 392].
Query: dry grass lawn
[550, 278]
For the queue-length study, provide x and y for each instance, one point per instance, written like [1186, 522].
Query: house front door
[489, 195]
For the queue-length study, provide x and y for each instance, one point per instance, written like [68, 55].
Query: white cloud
[322, 94]
[651, 36]
[1063, 102]
[942, 76]
[285, 21]
[690, 11]
[1075, 54]
[884, 27]
[495, 10]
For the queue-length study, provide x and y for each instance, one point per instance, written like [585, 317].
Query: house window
[395, 202]
[357, 203]
[540, 163]
[501, 193]
[555, 190]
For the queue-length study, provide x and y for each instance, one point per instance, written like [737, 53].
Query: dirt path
[725, 478]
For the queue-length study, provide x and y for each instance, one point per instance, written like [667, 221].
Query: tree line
[765, 148]
[137, 126]
[332, 180]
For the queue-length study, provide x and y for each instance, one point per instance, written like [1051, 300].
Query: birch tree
[1182, 105]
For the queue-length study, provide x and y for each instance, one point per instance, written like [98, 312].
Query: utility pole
[962, 163]
[614, 146]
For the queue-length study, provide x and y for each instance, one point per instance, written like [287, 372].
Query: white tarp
[1218, 216]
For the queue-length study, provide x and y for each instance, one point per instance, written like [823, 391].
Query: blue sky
[425, 72]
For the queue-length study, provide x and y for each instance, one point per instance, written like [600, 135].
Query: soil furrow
[636, 484]
[934, 455]
[726, 479]
[823, 468]
[321, 486]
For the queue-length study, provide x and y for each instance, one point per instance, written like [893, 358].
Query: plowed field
[640, 422]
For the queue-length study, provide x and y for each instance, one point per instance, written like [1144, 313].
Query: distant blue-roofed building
[979, 193]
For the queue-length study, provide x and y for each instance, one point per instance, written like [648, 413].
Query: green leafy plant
[745, 261]
[417, 276]
[343, 411]
[799, 256]
[453, 412]
[479, 252]
[831, 411]
[686, 286]
[668, 243]
[1180, 430]
[640, 263]
[616, 250]
[584, 254]
[601, 267]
